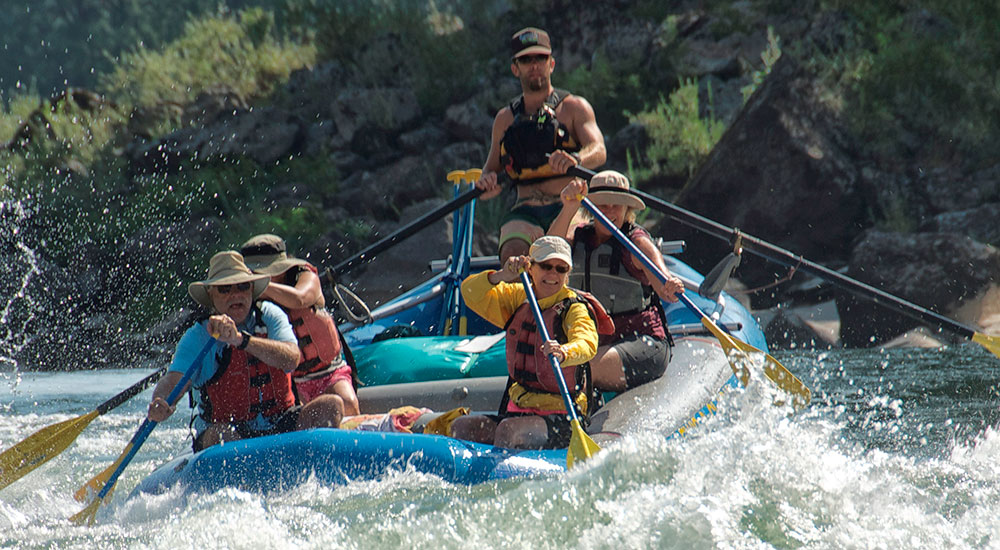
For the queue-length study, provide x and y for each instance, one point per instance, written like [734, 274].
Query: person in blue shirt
[244, 389]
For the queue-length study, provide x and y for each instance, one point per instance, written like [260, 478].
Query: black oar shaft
[131, 392]
[784, 257]
[369, 253]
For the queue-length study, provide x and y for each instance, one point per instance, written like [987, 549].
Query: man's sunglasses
[531, 59]
[226, 289]
[563, 269]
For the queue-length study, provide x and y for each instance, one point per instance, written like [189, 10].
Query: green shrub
[925, 80]
[438, 55]
[53, 44]
[237, 52]
[679, 139]
[611, 88]
[769, 56]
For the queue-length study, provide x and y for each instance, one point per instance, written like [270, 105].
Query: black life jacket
[531, 137]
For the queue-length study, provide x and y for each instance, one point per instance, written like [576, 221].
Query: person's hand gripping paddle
[581, 446]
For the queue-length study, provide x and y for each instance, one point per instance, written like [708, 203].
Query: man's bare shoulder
[504, 118]
[576, 103]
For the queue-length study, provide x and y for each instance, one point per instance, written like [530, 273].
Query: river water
[897, 451]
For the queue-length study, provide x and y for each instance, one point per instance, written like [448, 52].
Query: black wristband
[245, 341]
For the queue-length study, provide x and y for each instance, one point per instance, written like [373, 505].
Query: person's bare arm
[159, 409]
[282, 355]
[571, 197]
[673, 286]
[306, 292]
[489, 181]
[579, 116]
[592, 150]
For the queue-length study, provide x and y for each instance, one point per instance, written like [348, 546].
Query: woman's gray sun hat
[551, 248]
[610, 187]
[266, 254]
[227, 268]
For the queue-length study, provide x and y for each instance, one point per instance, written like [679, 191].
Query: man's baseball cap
[530, 40]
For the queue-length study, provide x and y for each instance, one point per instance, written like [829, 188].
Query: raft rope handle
[360, 319]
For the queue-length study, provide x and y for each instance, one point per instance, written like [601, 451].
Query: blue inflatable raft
[448, 357]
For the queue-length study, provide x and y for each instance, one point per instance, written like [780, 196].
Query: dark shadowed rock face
[979, 223]
[942, 272]
[782, 173]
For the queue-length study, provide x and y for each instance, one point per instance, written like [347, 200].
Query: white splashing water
[753, 476]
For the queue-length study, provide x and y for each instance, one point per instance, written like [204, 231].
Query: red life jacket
[526, 363]
[244, 386]
[317, 334]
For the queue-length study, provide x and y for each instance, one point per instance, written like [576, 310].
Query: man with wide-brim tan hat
[243, 383]
[296, 288]
[639, 350]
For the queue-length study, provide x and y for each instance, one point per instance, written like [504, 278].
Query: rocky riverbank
[789, 169]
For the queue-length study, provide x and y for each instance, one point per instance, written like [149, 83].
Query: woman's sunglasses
[226, 289]
[563, 269]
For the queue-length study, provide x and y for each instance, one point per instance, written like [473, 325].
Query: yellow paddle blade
[98, 482]
[581, 446]
[87, 515]
[39, 447]
[992, 343]
[738, 360]
[773, 370]
[782, 377]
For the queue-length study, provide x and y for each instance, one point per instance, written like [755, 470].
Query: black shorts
[644, 358]
[557, 428]
[278, 424]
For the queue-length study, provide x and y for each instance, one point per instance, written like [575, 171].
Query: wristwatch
[245, 341]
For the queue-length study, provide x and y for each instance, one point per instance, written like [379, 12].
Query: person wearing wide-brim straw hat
[296, 288]
[243, 385]
[639, 350]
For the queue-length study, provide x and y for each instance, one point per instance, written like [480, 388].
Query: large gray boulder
[782, 172]
[947, 273]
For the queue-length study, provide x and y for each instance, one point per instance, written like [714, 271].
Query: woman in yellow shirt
[532, 414]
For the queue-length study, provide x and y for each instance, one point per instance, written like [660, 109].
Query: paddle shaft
[147, 425]
[627, 243]
[537, 312]
[130, 392]
[369, 253]
[48, 442]
[784, 257]
[781, 256]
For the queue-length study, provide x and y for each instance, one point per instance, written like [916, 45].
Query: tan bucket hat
[266, 254]
[551, 248]
[227, 268]
[610, 187]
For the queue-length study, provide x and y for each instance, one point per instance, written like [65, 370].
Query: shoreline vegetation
[92, 90]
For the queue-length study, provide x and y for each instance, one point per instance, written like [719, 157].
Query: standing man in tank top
[535, 140]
